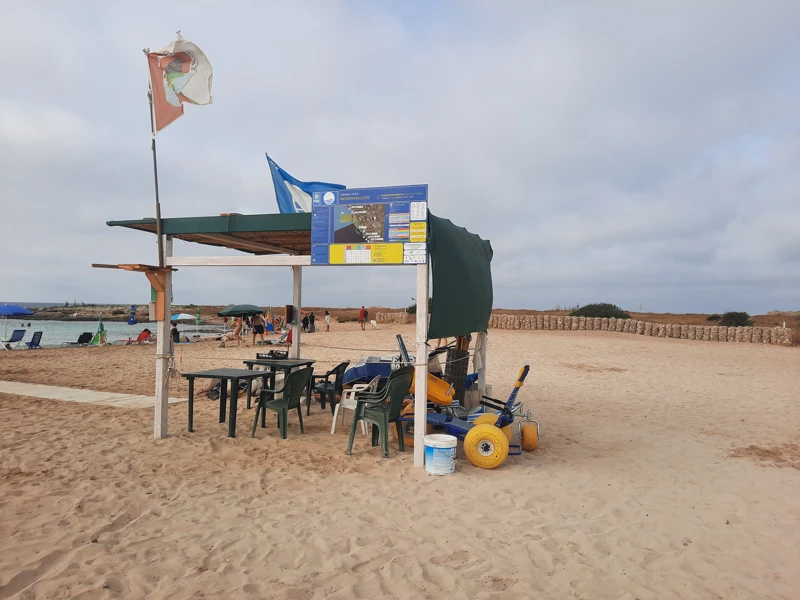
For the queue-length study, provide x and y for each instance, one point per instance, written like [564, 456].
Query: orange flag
[179, 73]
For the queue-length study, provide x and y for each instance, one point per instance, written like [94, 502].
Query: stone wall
[779, 336]
[395, 317]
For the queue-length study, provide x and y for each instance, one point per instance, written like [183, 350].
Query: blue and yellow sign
[370, 226]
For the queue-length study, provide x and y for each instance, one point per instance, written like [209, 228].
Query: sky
[643, 154]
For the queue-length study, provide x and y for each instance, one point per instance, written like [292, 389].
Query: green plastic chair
[293, 387]
[373, 408]
[326, 388]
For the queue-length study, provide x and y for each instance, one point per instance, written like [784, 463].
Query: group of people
[259, 326]
[308, 322]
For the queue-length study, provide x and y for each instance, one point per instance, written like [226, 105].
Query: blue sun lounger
[14, 340]
[34, 343]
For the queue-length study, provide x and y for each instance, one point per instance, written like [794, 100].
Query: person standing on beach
[311, 327]
[258, 328]
[362, 318]
[304, 323]
[237, 331]
[327, 321]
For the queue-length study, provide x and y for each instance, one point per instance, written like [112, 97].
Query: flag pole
[158, 203]
[155, 170]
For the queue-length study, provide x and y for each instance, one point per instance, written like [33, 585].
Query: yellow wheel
[491, 419]
[486, 446]
[408, 427]
[408, 432]
[530, 437]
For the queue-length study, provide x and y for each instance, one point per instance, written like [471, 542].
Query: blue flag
[293, 195]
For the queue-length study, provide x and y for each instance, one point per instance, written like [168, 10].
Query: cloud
[611, 152]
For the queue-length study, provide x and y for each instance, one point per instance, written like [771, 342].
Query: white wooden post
[163, 352]
[482, 342]
[297, 286]
[421, 385]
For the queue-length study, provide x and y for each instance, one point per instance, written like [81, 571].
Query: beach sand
[667, 469]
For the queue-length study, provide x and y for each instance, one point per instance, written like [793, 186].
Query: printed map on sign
[370, 226]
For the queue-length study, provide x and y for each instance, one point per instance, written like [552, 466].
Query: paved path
[73, 395]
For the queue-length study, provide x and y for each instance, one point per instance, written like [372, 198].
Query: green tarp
[462, 280]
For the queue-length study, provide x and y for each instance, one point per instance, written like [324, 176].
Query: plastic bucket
[440, 454]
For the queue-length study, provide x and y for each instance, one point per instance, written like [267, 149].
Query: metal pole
[481, 342]
[155, 180]
[297, 289]
[158, 207]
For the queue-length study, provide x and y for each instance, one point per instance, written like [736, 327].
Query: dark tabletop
[277, 362]
[225, 374]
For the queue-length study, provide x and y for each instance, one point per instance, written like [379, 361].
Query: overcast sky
[640, 153]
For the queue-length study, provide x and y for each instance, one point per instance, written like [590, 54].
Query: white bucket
[440, 454]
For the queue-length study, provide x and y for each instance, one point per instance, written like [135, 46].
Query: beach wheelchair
[487, 435]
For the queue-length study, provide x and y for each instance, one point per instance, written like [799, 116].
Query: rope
[239, 360]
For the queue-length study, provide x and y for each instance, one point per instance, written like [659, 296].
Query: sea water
[54, 333]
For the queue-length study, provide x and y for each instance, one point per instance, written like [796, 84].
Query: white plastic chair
[350, 400]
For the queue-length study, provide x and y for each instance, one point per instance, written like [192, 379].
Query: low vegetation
[735, 319]
[600, 310]
[714, 317]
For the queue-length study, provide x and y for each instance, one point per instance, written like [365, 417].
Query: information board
[370, 226]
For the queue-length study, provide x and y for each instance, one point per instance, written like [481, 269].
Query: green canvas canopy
[462, 280]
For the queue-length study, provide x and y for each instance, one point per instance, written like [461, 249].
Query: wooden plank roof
[254, 234]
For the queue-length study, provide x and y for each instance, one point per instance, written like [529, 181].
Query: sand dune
[666, 470]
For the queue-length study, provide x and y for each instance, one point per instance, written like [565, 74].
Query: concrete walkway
[52, 392]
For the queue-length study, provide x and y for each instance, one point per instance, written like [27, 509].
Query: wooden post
[297, 286]
[481, 342]
[421, 385]
[163, 350]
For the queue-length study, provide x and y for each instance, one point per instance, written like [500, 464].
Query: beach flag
[179, 73]
[293, 195]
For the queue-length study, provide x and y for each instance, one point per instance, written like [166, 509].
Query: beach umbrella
[100, 336]
[241, 310]
[182, 317]
[132, 321]
[12, 310]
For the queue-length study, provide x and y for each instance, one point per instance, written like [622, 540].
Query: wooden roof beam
[243, 243]
[139, 268]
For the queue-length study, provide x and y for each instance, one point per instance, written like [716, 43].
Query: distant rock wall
[395, 317]
[778, 336]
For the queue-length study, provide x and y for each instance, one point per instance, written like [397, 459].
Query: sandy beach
[667, 469]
